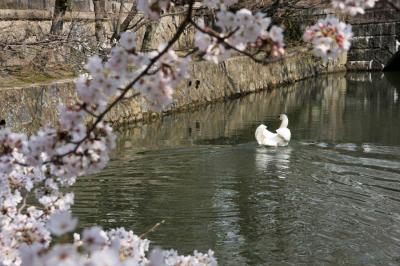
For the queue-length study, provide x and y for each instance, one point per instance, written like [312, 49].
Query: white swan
[280, 138]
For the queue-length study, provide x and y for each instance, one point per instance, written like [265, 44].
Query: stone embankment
[28, 51]
[29, 107]
[376, 42]
[376, 39]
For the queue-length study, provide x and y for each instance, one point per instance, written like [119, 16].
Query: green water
[332, 197]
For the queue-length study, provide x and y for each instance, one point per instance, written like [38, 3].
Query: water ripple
[330, 198]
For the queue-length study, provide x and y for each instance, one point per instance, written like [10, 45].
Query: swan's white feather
[280, 138]
[284, 133]
[262, 134]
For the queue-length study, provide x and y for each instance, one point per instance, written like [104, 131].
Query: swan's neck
[284, 123]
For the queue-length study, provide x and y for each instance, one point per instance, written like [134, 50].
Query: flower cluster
[213, 4]
[171, 257]
[329, 38]
[238, 31]
[166, 74]
[153, 8]
[96, 247]
[353, 7]
[37, 167]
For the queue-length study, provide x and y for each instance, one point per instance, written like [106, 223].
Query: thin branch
[21, 208]
[194, 50]
[59, 40]
[121, 7]
[89, 112]
[140, 23]
[132, 96]
[152, 229]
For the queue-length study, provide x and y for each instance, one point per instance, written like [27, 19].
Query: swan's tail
[259, 133]
[263, 136]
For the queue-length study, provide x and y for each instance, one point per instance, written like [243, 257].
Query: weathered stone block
[26, 4]
[82, 5]
[388, 28]
[383, 56]
[398, 29]
[384, 42]
[386, 16]
[361, 54]
[356, 30]
[362, 42]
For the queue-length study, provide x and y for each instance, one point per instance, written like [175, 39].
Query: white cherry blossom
[219, 3]
[239, 31]
[329, 38]
[94, 238]
[353, 7]
[128, 40]
[153, 8]
[61, 223]
[62, 255]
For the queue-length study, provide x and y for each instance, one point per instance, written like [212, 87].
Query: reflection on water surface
[332, 197]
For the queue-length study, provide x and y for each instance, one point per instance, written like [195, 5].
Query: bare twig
[152, 229]
[121, 8]
[140, 23]
[132, 96]
[21, 208]
[127, 21]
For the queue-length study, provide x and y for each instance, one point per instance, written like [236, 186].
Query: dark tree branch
[127, 21]
[57, 23]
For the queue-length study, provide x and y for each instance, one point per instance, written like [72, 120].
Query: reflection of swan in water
[273, 161]
[280, 138]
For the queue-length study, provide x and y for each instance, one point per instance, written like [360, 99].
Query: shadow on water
[331, 197]
[394, 78]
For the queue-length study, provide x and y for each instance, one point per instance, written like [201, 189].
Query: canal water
[332, 197]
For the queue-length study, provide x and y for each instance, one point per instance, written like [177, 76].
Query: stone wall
[27, 108]
[76, 5]
[26, 4]
[376, 33]
[376, 38]
[24, 37]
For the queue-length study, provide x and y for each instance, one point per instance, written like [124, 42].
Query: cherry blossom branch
[222, 39]
[100, 117]
[88, 111]
[152, 229]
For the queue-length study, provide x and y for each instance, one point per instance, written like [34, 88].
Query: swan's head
[283, 117]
